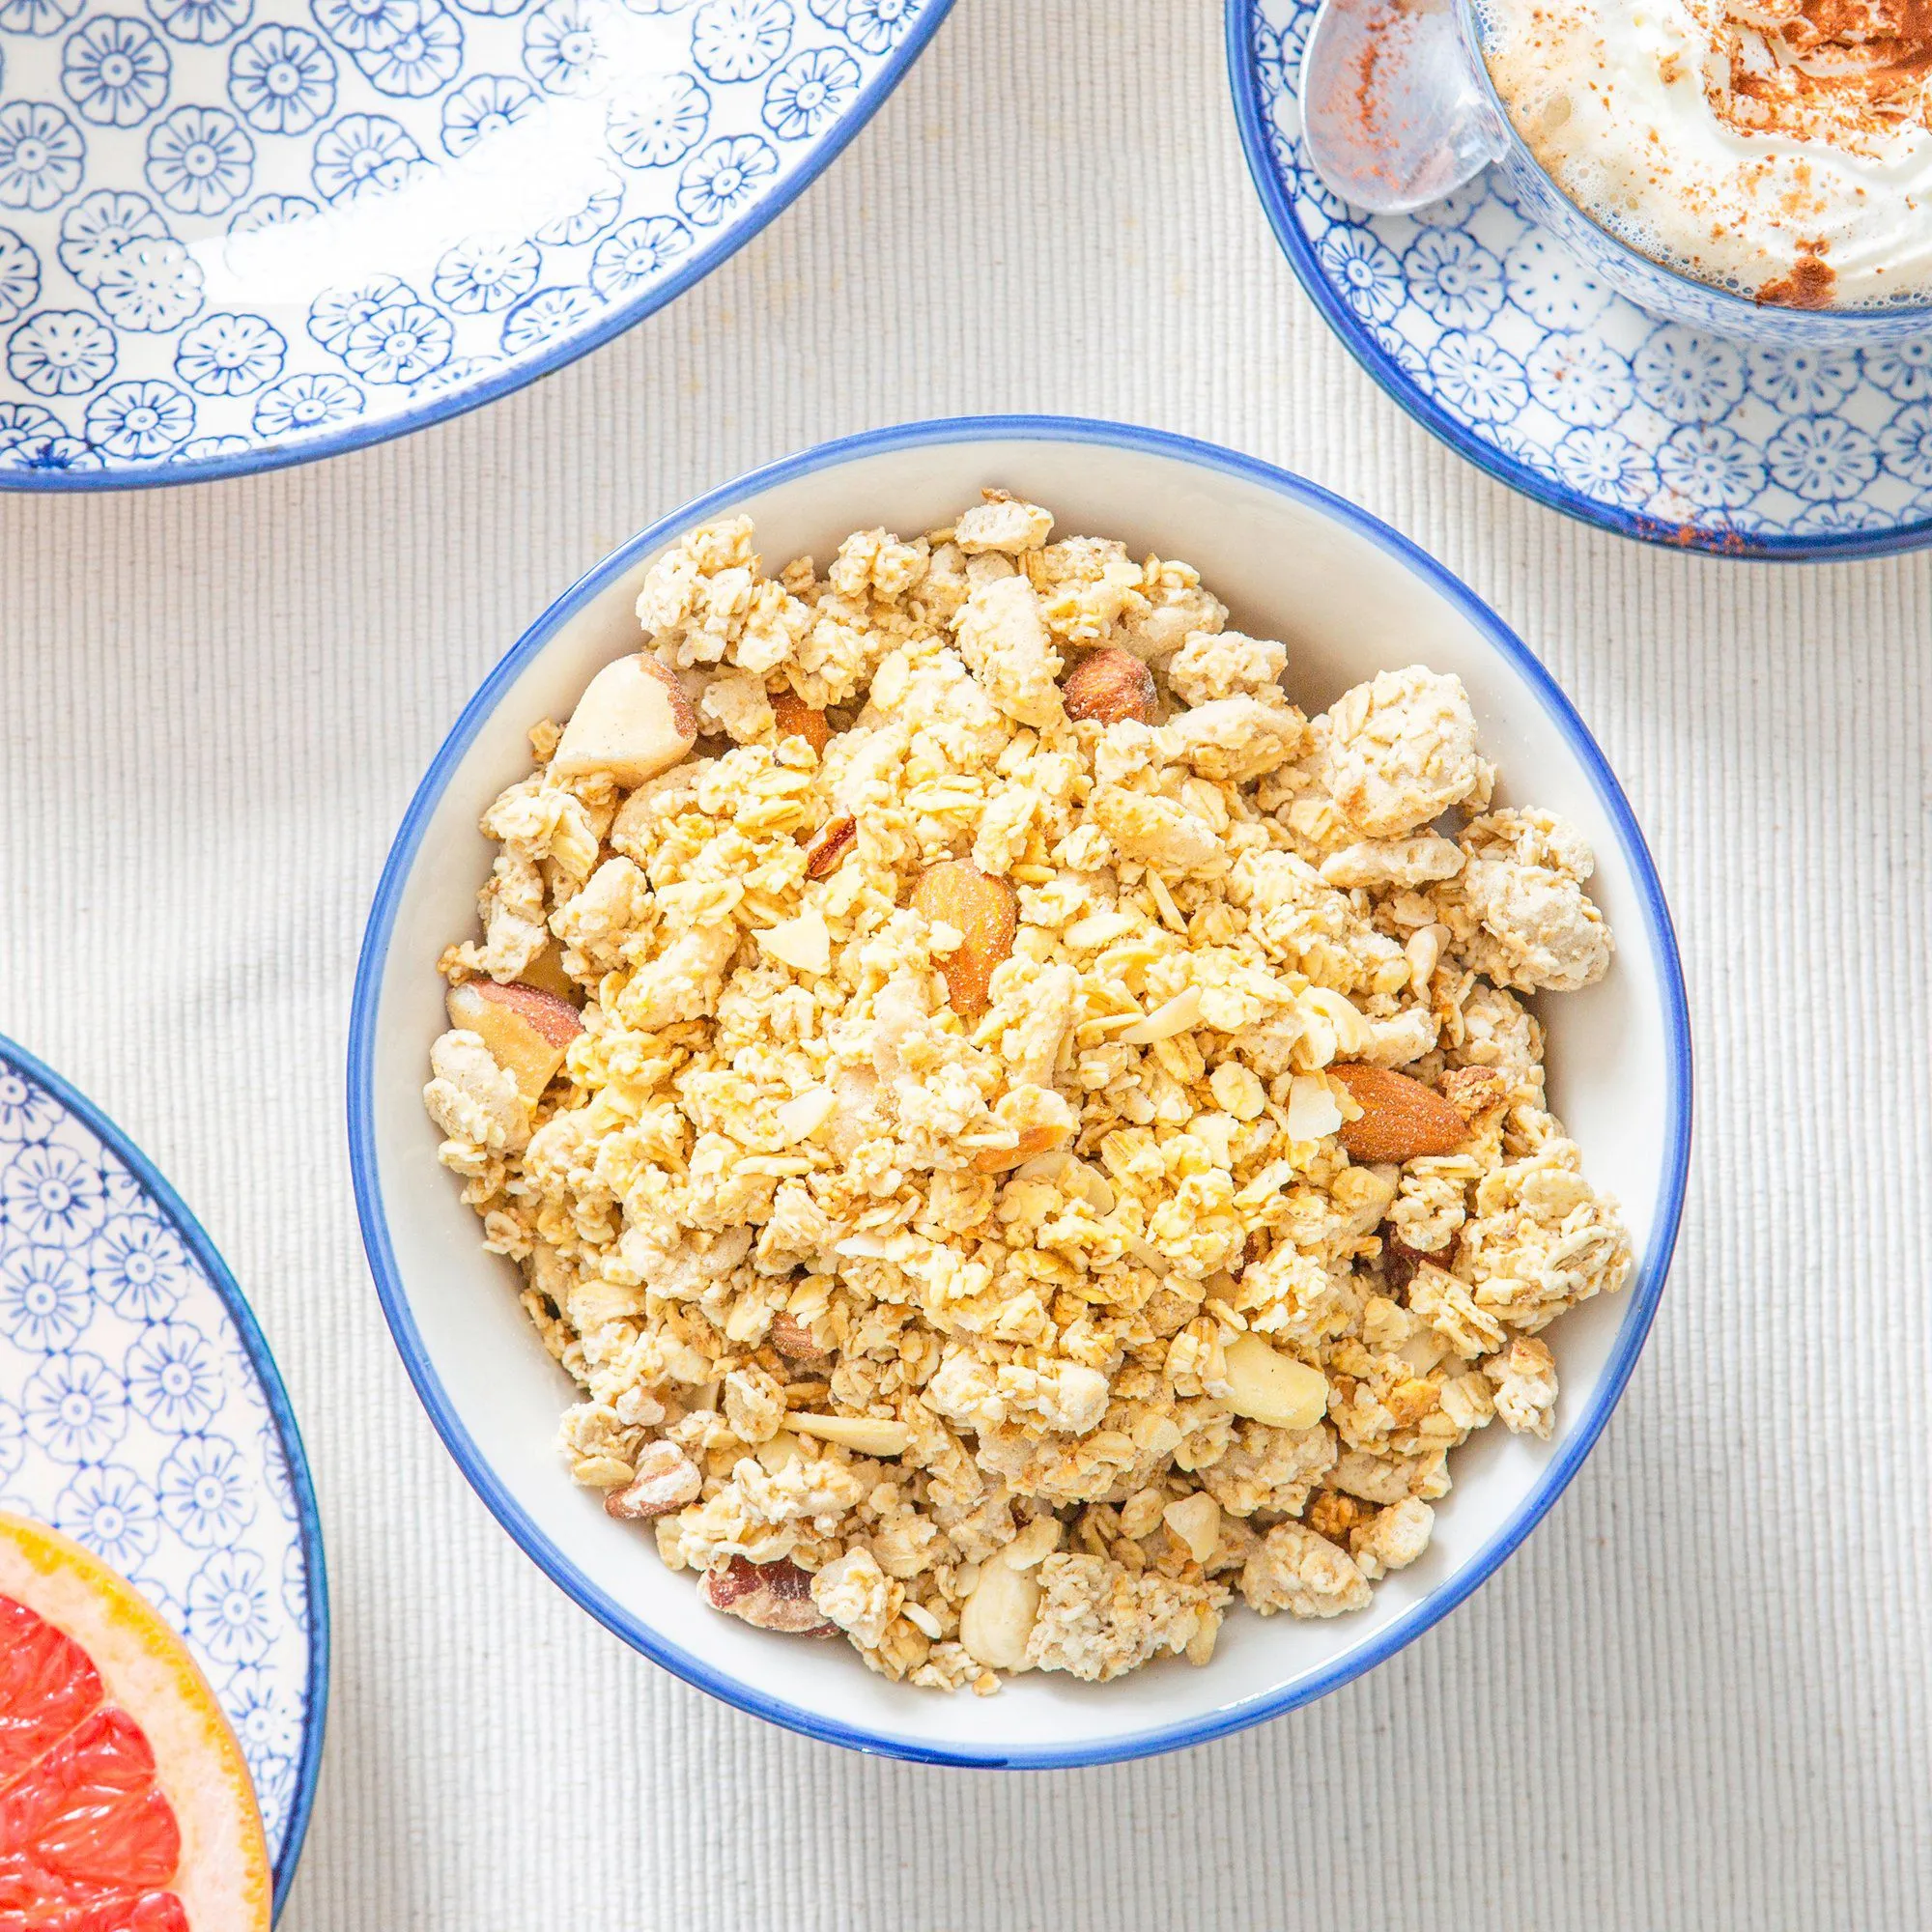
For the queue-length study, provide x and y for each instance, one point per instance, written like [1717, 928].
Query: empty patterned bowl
[241, 232]
[1350, 597]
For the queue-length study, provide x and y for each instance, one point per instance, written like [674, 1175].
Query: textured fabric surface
[1697, 1698]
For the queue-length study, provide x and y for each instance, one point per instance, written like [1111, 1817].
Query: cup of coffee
[1757, 168]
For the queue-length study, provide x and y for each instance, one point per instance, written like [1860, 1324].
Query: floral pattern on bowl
[141, 1413]
[1494, 336]
[242, 232]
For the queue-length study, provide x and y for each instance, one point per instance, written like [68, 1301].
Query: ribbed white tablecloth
[1698, 1697]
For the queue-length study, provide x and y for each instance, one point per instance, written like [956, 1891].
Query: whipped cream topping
[1781, 149]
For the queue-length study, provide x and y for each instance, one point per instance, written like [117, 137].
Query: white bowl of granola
[1015, 1116]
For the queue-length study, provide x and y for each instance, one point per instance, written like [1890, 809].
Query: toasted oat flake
[943, 1207]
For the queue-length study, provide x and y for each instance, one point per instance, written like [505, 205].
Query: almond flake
[802, 1115]
[804, 942]
[868, 1435]
[1312, 1113]
[1178, 1015]
[1098, 929]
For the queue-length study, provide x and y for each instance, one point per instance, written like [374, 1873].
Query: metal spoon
[1394, 113]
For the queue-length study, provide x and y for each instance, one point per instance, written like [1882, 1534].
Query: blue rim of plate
[1643, 1294]
[1355, 336]
[207, 1257]
[610, 325]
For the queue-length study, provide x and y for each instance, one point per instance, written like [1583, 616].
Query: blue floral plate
[1493, 335]
[241, 233]
[140, 1411]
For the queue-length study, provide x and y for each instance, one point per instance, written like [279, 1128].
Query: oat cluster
[1032, 1137]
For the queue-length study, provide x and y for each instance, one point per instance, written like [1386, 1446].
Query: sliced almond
[1400, 1120]
[1110, 685]
[1048, 1166]
[804, 942]
[804, 1114]
[1141, 1248]
[984, 912]
[1033, 1142]
[632, 723]
[1091, 1185]
[922, 1619]
[1178, 1015]
[1073, 1177]
[796, 719]
[1269, 1386]
[1313, 1113]
[867, 1434]
[1099, 928]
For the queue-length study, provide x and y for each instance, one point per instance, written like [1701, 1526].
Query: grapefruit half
[124, 1803]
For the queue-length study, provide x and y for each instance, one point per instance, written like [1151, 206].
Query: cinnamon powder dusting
[1370, 89]
[1811, 283]
[1846, 71]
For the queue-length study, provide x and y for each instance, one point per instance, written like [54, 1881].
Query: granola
[1013, 1172]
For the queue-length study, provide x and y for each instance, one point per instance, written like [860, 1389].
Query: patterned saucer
[140, 1411]
[1493, 335]
[239, 232]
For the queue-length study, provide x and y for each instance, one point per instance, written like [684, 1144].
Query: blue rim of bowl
[460, 402]
[1692, 539]
[314, 1705]
[371, 969]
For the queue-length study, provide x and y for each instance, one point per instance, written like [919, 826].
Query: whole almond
[1109, 685]
[1401, 1118]
[796, 719]
[984, 910]
[832, 844]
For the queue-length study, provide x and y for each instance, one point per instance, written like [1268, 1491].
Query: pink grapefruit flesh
[124, 1803]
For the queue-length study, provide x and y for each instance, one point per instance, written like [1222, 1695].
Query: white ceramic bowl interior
[1350, 597]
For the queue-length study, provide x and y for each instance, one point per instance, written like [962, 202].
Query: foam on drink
[1780, 148]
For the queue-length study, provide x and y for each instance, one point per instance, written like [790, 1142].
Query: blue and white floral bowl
[239, 233]
[1493, 333]
[1619, 1062]
[141, 1413]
